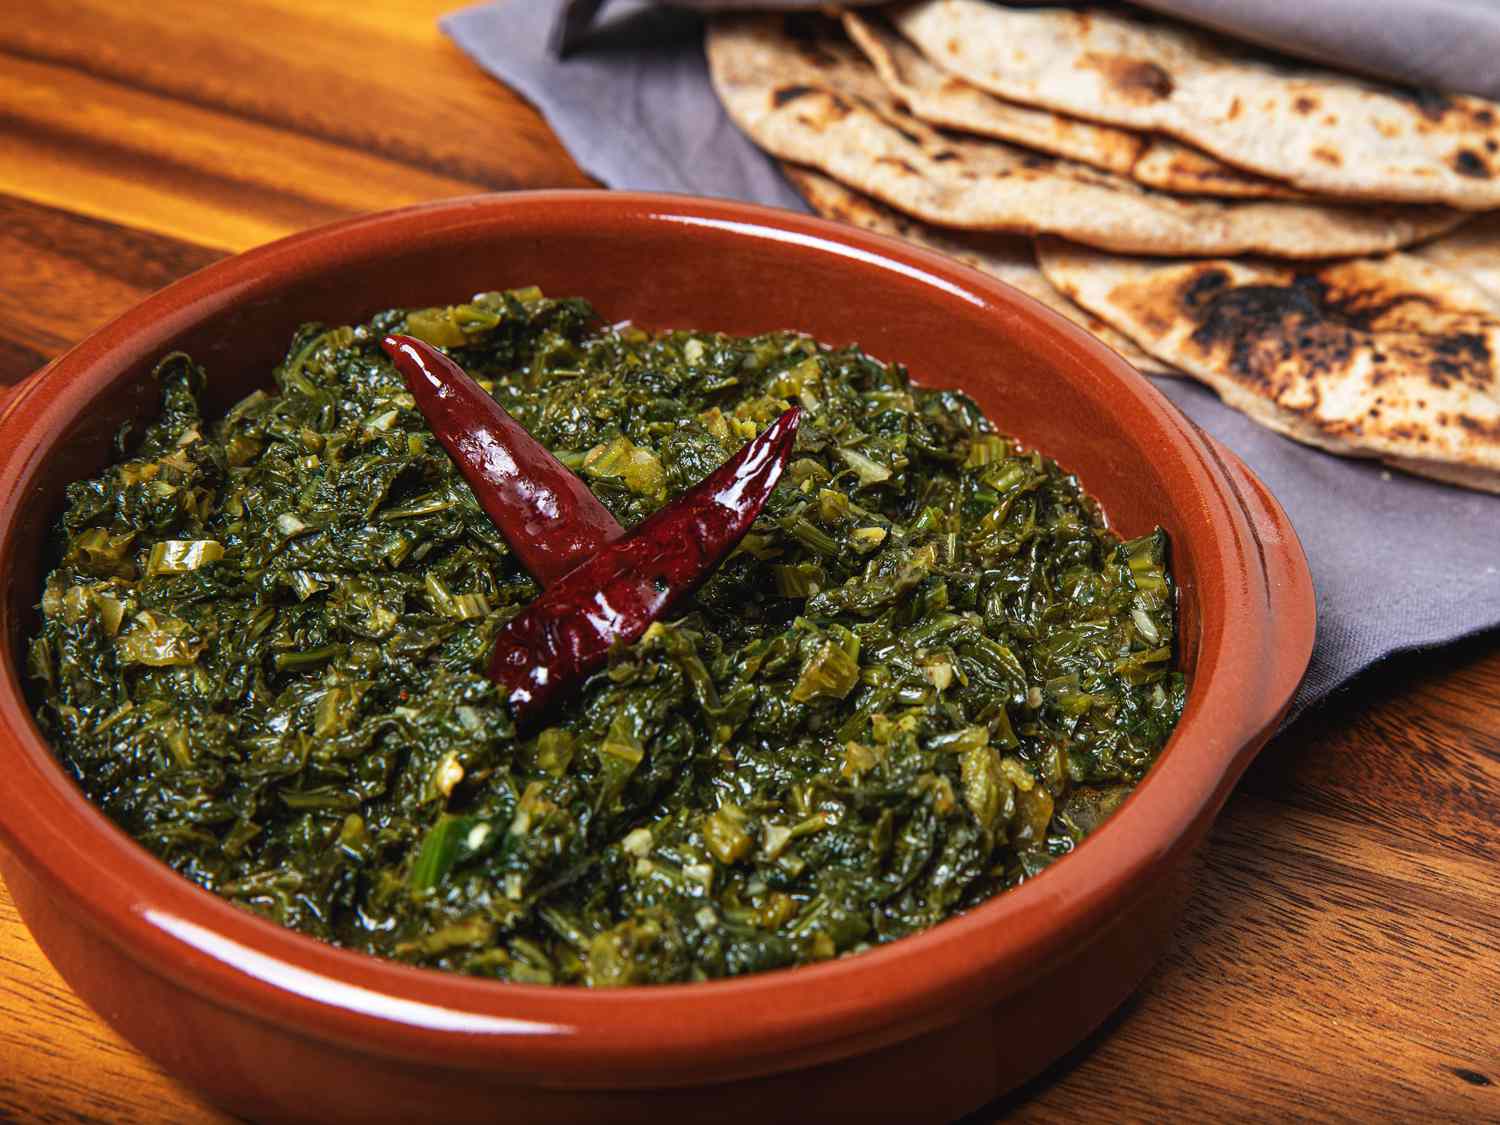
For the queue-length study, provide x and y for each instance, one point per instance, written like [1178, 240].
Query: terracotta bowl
[269, 1023]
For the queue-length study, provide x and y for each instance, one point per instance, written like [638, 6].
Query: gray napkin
[1399, 563]
[1441, 44]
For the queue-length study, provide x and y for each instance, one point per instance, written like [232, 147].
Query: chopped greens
[927, 673]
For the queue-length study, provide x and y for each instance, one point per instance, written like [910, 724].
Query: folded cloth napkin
[1438, 44]
[1399, 563]
[1442, 44]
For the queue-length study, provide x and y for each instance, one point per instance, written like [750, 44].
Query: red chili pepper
[547, 515]
[567, 632]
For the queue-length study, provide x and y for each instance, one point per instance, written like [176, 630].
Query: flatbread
[1316, 129]
[940, 98]
[1472, 250]
[1170, 165]
[1391, 357]
[817, 102]
[1009, 257]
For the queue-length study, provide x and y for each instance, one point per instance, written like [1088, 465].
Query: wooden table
[1341, 955]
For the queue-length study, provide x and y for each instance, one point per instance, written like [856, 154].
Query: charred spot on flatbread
[1467, 162]
[1260, 327]
[1461, 357]
[1488, 431]
[1202, 288]
[784, 94]
[1429, 103]
[1134, 80]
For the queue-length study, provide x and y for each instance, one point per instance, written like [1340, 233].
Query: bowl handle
[1289, 587]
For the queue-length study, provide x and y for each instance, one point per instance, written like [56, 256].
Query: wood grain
[59, 1062]
[1340, 958]
[231, 124]
[65, 276]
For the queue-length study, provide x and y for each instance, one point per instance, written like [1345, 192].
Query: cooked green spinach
[927, 673]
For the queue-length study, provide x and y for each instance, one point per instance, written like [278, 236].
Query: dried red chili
[547, 515]
[567, 632]
[603, 586]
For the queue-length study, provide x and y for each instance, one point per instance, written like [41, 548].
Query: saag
[928, 672]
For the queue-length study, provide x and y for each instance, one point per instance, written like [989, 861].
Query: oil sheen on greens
[927, 673]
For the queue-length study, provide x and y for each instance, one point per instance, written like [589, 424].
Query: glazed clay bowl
[272, 1024]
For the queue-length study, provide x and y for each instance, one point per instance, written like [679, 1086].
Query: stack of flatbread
[1301, 240]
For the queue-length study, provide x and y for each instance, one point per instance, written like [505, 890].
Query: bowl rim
[1251, 656]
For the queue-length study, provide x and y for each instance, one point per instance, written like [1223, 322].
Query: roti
[940, 98]
[816, 101]
[1394, 357]
[1472, 250]
[1009, 257]
[1170, 165]
[1317, 129]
